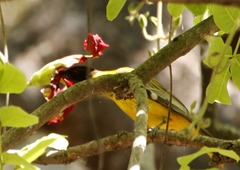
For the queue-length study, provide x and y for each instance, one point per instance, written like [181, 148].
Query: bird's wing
[159, 94]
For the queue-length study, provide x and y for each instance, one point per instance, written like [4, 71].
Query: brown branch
[63, 100]
[178, 47]
[220, 2]
[125, 139]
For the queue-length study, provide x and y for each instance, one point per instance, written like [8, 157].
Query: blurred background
[41, 31]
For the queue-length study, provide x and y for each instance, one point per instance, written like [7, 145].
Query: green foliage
[12, 80]
[28, 154]
[225, 17]
[177, 22]
[133, 12]
[43, 76]
[217, 89]
[16, 160]
[33, 151]
[214, 58]
[185, 160]
[197, 9]
[193, 106]
[175, 9]
[13, 116]
[219, 54]
[113, 8]
[218, 59]
[235, 70]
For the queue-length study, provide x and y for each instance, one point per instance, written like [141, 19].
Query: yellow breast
[157, 114]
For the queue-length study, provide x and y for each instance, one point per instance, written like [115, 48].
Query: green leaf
[15, 159]
[175, 9]
[33, 151]
[185, 160]
[60, 143]
[113, 8]
[197, 19]
[43, 76]
[201, 17]
[193, 105]
[196, 9]
[237, 59]
[225, 17]
[218, 59]
[177, 22]
[216, 48]
[13, 116]
[12, 79]
[217, 89]
[235, 70]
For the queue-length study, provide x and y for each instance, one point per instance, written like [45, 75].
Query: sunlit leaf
[235, 70]
[185, 160]
[15, 159]
[196, 9]
[217, 89]
[175, 9]
[177, 22]
[193, 105]
[13, 116]
[214, 52]
[201, 17]
[43, 76]
[60, 143]
[225, 17]
[12, 79]
[237, 59]
[113, 8]
[33, 151]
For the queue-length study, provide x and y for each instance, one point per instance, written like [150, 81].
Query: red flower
[94, 45]
[51, 92]
[65, 72]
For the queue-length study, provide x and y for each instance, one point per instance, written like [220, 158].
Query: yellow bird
[158, 99]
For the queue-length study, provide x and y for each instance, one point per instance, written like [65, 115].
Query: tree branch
[140, 141]
[63, 100]
[125, 139]
[220, 2]
[178, 47]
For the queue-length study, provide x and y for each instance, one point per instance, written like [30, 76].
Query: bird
[158, 99]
